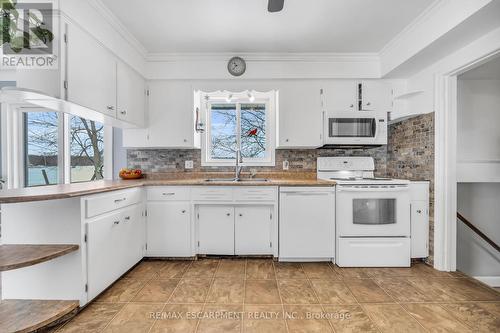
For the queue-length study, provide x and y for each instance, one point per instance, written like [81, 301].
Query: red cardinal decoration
[252, 132]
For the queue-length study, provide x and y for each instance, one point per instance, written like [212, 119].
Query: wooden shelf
[30, 315]
[13, 256]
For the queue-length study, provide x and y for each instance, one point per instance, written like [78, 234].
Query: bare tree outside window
[87, 149]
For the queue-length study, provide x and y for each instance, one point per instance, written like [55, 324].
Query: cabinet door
[376, 96]
[104, 253]
[168, 229]
[307, 225]
[131, 102]
[171, 121]
[419, 229]
[215, 230]
[91, 72]
[340, 96]
[132, 242]
[300, 118]
[135, 137]
[252, 230]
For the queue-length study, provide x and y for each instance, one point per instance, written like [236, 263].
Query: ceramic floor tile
[401, 290]
[92, 319]
[122, 291]
[221, 318]
[493, 308]
[435, 318]
[174, 269]
[158, 291]
[351, 272]
[366, 291]
[203, 268]
[227, 291]
[261, 292]
[191, 291]
[263, 318]
[146, 270]
[178, 318]
[349, 318]
[134, 318]
[319, 270]
[231, 268]
[473, 290]
[289, 270]
[474, 316]
[306, 318]
[392, 318]
[296, 291]
[437, 290]
[260, 269]
[332, 292]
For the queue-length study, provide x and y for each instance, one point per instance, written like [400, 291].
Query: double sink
[236, 180]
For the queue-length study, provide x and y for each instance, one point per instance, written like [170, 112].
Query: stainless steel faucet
[239, 159]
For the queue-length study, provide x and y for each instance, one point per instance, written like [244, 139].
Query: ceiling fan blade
[275, 5]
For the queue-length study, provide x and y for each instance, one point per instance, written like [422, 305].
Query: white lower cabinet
[168, 229]
[253, 230]
[113, 246]
[215, 229]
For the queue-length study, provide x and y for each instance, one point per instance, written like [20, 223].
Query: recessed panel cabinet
[131, 93]
[252, 230]
[215, 229]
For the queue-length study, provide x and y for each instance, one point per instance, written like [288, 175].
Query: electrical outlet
[188, 164]
[286, 165]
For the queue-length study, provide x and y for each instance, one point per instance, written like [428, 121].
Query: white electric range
[372, 214]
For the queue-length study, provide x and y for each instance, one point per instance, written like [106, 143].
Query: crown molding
[264, 57]
[111, 18]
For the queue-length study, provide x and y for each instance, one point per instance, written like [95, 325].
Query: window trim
[226, 97]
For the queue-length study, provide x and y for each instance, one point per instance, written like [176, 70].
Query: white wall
[478, 202]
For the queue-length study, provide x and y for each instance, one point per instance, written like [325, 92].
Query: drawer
[255, 193]
[103, 203]
[373, 252]
[212, 193]
[419, 191]
[170, 193]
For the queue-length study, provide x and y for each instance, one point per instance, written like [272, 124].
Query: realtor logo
[27, 35]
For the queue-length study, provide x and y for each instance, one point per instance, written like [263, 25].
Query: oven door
[373, 210]
[352, 128]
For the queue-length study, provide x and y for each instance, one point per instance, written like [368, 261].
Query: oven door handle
[372, 189]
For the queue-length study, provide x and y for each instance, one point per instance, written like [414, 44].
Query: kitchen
[304, 181]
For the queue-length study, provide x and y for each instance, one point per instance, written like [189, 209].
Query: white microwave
[355, 128]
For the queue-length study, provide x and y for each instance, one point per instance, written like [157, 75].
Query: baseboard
[492, 281]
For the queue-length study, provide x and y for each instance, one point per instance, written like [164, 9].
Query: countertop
[65, 191]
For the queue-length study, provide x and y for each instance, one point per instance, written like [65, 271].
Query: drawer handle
[241, 215]
[169, 193]
[120, 200]
[183, 211]
[419, 211]
[127, 218]
[116, 222]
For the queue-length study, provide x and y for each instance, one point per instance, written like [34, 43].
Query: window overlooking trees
[41, 148]
[239, 122]
[87, 150]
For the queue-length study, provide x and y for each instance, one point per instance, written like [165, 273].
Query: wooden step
[29, 315]
[14, 256]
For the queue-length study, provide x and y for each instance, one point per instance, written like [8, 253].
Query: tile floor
[259, 295]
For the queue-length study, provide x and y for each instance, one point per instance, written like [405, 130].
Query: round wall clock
[236, 66]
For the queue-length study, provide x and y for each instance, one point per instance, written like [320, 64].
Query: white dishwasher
[307, 223]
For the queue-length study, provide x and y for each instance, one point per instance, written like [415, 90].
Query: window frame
[226, 97]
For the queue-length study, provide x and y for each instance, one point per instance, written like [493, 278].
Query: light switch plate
[188, 164]
[286, 165]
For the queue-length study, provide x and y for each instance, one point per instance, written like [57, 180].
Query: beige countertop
[65, 191]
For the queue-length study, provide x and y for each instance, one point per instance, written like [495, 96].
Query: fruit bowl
[130, 173]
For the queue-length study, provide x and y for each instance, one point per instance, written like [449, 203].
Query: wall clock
[236, 66]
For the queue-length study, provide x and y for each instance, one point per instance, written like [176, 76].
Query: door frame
[445, 164]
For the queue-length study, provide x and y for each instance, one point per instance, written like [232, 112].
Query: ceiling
[487, 71]
[213, 26]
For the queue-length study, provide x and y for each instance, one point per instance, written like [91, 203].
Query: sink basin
[234, 180]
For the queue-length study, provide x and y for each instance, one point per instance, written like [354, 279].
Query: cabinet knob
[368, 103]
[123, 112]
[185, 140]
[419, 211]
[351, 106]
[228, 214]
[183, 211]
[127, 218]
[241, 214]
[110, 107]
[286, 140]
[116, 222]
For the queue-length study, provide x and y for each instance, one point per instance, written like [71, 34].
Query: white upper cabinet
[340, 96]
[171, 122]
[130, 90]
[300, 121]
[91, 73]
[375, 96]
